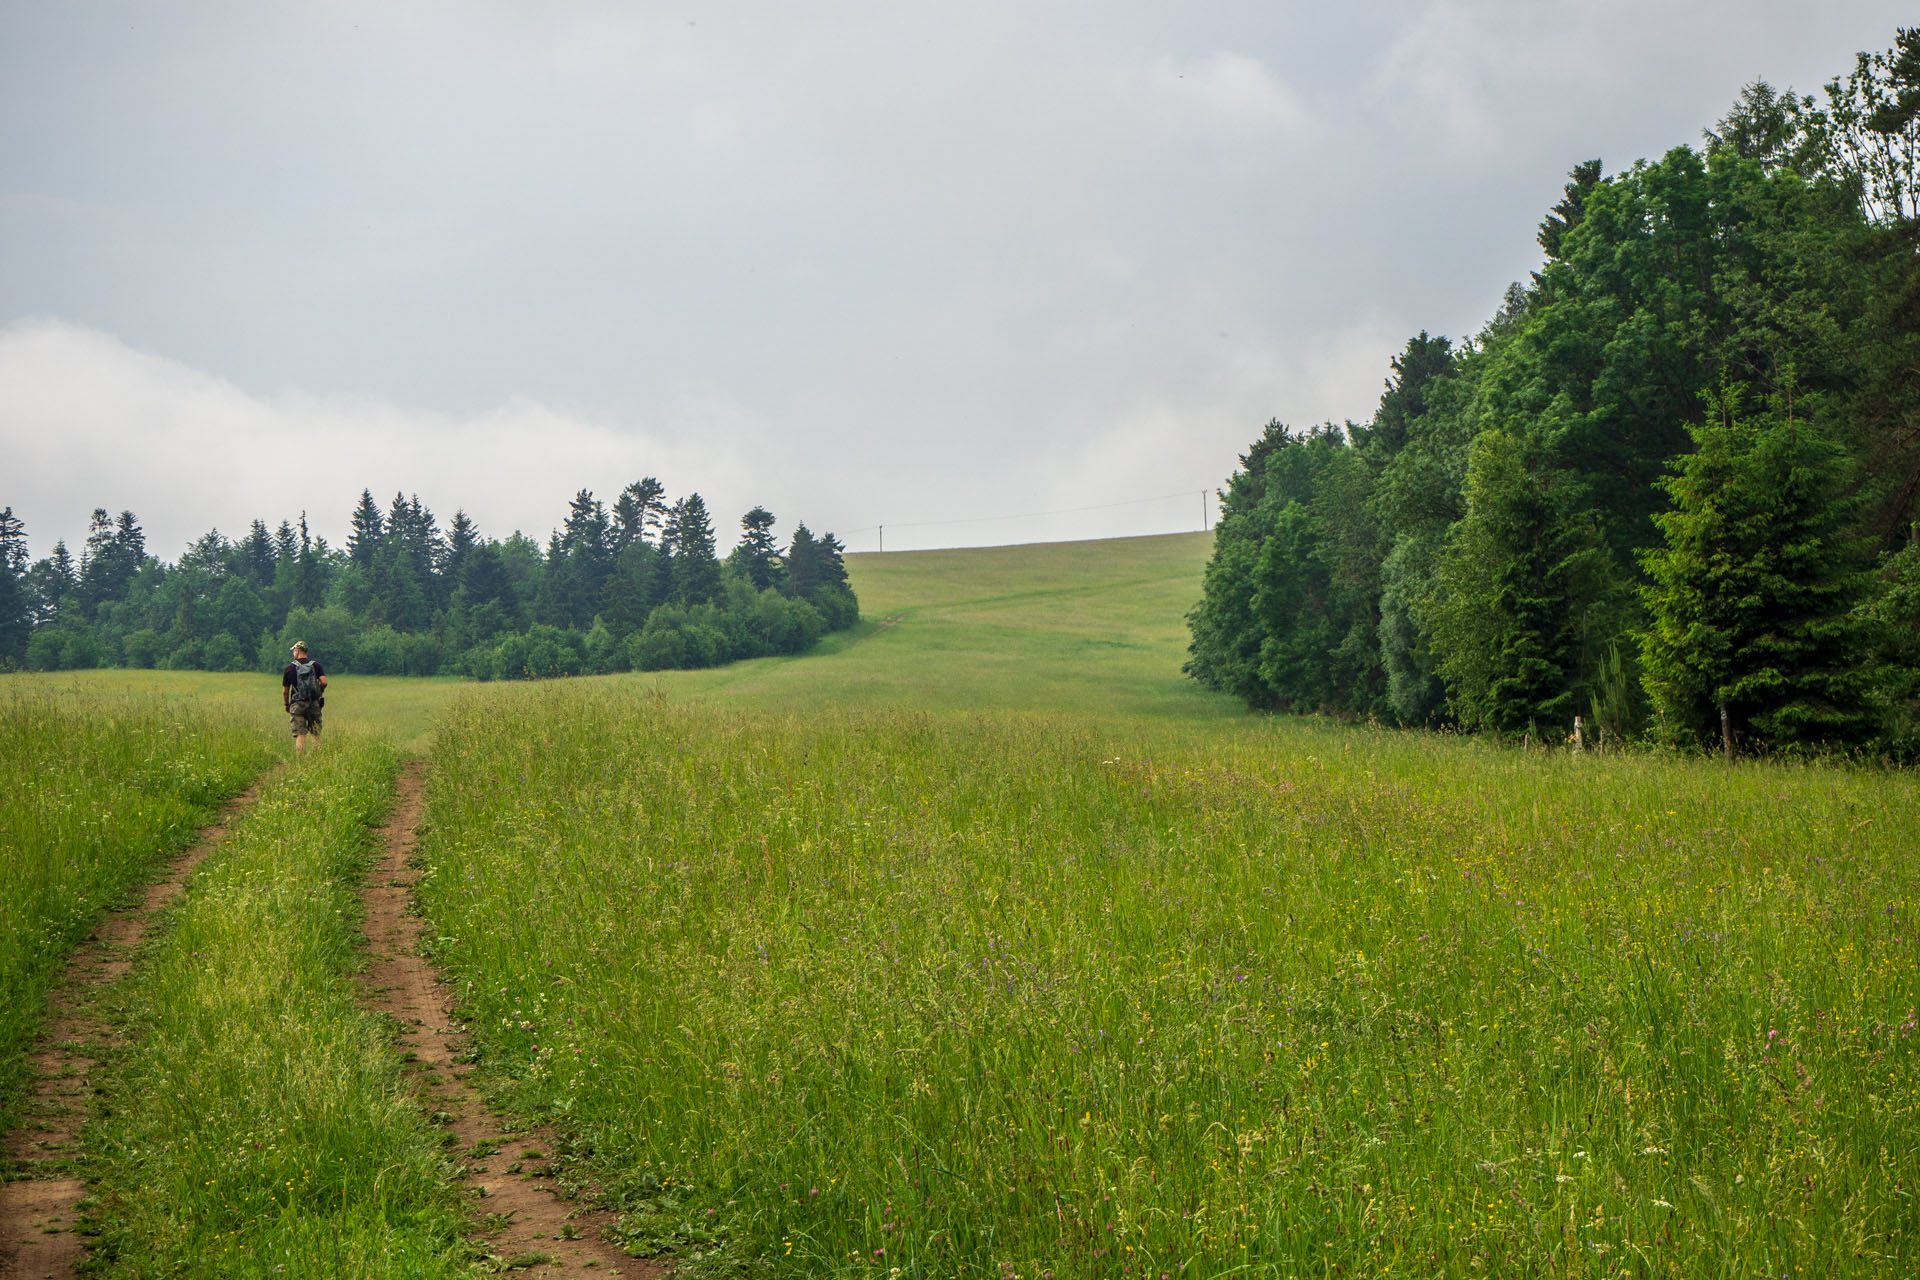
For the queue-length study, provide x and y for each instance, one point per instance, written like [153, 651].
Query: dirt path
[507, 1163]
[37, 1212]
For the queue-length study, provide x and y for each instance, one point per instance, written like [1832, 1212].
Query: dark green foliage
[637, 513]
[759, 554]
[1288, 616]
[15, 619]
[1567, 214]
[1525, 590]
[407, 600]
[1894, 620]
[363, 542]
[257, 555]
[1752, 596]
[1486, 550]
[695, 569]
[486, 603]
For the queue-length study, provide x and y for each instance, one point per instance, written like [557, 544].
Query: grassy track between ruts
[259, 1125]
[98, 792]
[1009, 994]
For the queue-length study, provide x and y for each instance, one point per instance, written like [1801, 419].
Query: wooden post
[1726, 734]
[1579, 735]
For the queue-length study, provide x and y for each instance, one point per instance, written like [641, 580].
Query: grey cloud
[885, 260]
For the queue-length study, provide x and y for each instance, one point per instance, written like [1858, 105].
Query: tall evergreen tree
[462, 538]
[257, 556]
[364, 537]
[759, 552]
[1572, 207]
[486, 603]
[637, 512]
[1527, 600]
[1415, 370]
[96, 561]
[52, 586]
[15, 619]
[696, 569]
[804, 571]
[309, 580]
[1752, 592]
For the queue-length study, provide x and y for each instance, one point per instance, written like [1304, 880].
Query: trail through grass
[260, 1125]
[98, 793]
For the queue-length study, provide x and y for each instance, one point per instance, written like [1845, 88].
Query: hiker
[303, 689]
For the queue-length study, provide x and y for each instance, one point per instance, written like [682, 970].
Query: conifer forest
[638, 586]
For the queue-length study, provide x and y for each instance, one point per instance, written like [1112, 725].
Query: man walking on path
[303, 687]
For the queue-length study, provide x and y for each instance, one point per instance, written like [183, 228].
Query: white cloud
[82, 413]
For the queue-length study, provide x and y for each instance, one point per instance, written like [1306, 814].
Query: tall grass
[1042, 997]
[400, 707]
[98, 792]
[260, 1125]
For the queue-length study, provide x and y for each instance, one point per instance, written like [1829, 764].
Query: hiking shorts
[305, 718]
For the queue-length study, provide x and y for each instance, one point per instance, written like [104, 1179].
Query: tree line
[1670, 487]
[635, 586]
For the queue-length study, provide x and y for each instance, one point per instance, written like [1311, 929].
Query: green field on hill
[981, 942]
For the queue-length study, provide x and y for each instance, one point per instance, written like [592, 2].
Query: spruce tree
[696, 569]
[14, 621]
[364, 537]
[1525, 593]
[258, 563]
[759, 551]
[637, 512]
[1752, 592]
[803, 562]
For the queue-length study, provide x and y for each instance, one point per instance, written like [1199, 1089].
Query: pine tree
[364, 538]
[309, 579]
[637, 512]
[803, 562]
[257, 558]
[1526, 591]
[52, 585]
[485, 604]
[696, 569]
[759, 551]
[1753, 589]
[462, 538]
[14, 621]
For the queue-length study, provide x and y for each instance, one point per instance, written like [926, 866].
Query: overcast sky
[861, 263]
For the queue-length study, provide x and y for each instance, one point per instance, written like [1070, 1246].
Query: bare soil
[520, 1213]
[39, 1201]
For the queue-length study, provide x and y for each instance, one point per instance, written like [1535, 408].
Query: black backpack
[306, 685]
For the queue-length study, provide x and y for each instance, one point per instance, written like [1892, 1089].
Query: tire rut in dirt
[520, 1214]
[39, 1201]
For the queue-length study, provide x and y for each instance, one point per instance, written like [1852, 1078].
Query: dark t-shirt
[286, 677]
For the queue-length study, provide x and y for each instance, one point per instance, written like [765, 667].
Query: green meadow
[981, 942]
[100, 790]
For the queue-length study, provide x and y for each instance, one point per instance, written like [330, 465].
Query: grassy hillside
[1093, 628]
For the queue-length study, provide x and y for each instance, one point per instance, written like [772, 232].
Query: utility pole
[1203, 511]
[883, 537]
